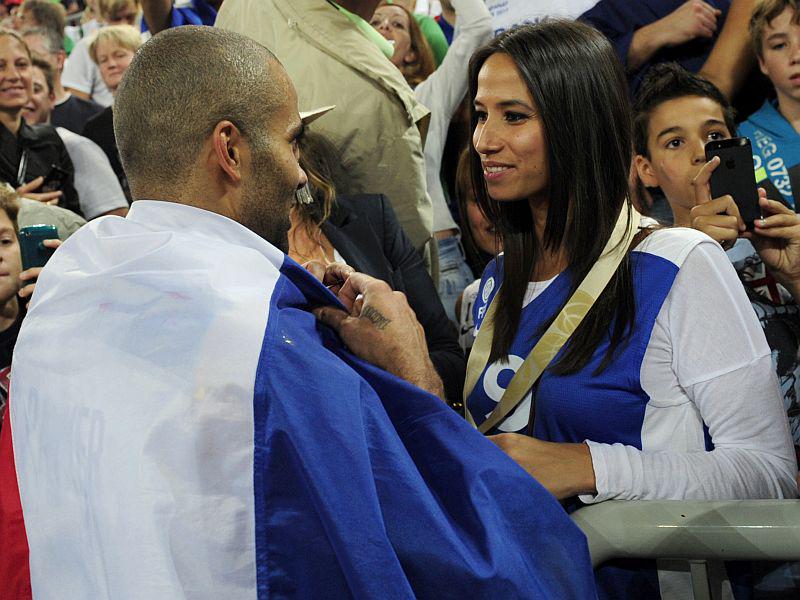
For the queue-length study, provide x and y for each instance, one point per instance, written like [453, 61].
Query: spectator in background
[69, 111]
[773, 129]
[363, 232]
[336, 58]
[112, 49]
[481, 243]
[648, 32]
[29, 152]
[99, 190]
[163, 14]
[81, 76]
[442, 91]
[676, 114]
[429, 28]
[44, 13]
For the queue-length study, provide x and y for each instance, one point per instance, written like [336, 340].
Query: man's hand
[719, 218]
[691, 20]
[30, 275]
[380, 327]
[565, 470]
[27, 190]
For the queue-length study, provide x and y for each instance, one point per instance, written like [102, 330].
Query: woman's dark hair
[580, 90]
[316, 159]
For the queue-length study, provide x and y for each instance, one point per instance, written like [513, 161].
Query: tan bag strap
[559, 331]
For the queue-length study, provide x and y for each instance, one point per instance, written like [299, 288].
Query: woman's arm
[721, 361]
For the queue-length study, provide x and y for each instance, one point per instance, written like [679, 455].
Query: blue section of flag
[368, 487]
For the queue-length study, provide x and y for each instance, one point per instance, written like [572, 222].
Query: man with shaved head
[335, 57]
[198, 433]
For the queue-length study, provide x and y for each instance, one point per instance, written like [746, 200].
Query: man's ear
[227, 144]
[645, 170]
[61, 58]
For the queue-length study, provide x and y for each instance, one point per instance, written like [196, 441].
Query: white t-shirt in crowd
[507, 13]
[98, 188]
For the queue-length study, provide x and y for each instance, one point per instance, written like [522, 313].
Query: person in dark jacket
[363, 232]
[28, 152]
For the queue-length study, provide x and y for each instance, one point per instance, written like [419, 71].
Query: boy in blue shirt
[773, 129]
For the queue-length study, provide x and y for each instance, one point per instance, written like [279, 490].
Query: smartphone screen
[34, 253]
[735, 176]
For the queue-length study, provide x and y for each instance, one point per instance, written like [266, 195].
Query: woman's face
[113, 61]
[15, 74]
[392, 23]
[509, 135]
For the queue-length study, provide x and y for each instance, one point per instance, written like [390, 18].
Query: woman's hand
[30, 275]
[565, 470]
[27, 190]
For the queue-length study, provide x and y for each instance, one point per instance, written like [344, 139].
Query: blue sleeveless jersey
[606, 408]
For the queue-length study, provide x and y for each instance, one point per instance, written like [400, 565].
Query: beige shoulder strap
[559, 331]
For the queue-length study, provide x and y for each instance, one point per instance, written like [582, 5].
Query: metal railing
[757, 530]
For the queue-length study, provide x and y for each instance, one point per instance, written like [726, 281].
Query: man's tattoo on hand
[375, 317]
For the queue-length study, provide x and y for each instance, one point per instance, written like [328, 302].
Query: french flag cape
[182, 427]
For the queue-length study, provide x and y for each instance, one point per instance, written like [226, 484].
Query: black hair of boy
[670, 81]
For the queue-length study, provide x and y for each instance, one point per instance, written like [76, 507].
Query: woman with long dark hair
[612, 360]
[654, 383]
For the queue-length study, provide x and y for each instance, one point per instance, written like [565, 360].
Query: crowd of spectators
[680, 382]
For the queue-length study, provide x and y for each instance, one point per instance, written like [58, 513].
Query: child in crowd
[676, 114]
[12, 307]
[773, 129]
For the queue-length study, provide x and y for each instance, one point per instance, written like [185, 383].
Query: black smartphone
[735, 176]
[34, 252]
[54, 180]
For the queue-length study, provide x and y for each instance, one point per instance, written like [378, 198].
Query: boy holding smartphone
[676, 114]
[773, 129]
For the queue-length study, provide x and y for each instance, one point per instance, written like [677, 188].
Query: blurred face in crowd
[40, 104]
[38, 47]
[124, 16]
[677, 133]
[24, 20]
[509, 135]
[113, 60]
[10, 260]
[780, 48]
[392, 23]
[274, 174]
[483, 232]
[15, 74]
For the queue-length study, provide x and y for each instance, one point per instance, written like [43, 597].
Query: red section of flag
[15, 577]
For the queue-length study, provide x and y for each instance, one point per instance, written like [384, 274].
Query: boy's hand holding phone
[776, 238]
[718, 218]
[28, 277]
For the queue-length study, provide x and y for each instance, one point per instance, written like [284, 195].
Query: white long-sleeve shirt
[443, 91]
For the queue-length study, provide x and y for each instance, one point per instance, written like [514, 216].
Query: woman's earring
[303, 195]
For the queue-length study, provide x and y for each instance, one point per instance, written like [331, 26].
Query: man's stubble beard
[265, 206]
